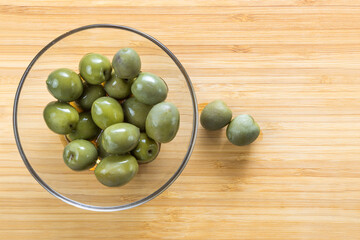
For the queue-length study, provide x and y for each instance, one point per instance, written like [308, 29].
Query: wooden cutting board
[294, 65]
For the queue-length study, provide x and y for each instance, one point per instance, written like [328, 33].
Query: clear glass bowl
[42, 149]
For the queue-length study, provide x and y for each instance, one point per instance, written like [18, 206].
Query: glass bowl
[41, 149]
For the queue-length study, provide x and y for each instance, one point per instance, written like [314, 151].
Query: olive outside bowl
[41, 149]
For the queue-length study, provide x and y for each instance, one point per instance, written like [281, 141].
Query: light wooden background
[293, 64]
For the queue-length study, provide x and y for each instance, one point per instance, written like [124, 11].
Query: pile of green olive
[241, 131]
[113, 115]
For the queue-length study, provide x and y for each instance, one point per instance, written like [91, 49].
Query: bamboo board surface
[294, 65]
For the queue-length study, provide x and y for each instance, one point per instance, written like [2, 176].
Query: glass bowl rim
[172, 178]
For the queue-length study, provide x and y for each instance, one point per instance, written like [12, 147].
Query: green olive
[64, 84]
[102, 152]
[85, 129]
[162, 122]
[90, 94]
[126, 63]
[242, 130]
[116, 170]
[215, 115]
[149, 88]
[146, 150]
[60, 117]
[95, 68]
[120, 138]
[136, 112]
[118, 88]
[106, 111]
[80, 155]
